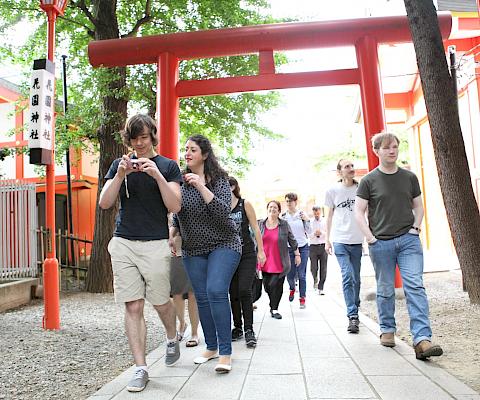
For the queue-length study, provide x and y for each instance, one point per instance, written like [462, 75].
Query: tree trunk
[100, 277]
[448, 145]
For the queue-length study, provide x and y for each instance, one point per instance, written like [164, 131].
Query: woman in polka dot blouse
[211, 246]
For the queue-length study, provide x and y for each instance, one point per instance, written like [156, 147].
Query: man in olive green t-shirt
[395, 213]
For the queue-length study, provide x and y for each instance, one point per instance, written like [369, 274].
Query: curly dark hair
[211, 168]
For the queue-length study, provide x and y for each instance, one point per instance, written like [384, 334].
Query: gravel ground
[455, 324]
[91, 348]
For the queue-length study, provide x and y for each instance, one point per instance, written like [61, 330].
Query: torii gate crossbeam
[365, 34]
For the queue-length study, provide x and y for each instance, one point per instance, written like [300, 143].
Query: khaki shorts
[141, 270]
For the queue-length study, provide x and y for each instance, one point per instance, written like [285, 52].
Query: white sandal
[203, 360]
[223, 368]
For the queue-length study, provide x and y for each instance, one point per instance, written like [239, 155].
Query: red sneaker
[302, 302]
[292, 295]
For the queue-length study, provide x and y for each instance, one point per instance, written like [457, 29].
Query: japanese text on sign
[41, 109]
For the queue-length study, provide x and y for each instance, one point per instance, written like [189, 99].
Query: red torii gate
[365, 34]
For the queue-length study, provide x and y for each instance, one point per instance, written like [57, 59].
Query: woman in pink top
[276, 235]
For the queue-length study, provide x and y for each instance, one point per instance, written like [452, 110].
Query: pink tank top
[273, 264]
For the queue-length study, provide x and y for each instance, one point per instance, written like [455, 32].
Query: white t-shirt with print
[341, 199]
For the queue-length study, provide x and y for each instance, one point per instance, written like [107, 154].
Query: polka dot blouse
[206, 227]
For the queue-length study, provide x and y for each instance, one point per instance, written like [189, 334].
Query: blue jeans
[349, 257]
[211, 275]
[406, 251]
[301, 270]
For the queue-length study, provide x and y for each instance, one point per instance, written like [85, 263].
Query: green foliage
[329, 161]
[4, 153]
[230, 121]
[358, 153]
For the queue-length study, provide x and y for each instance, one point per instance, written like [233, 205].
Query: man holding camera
[149, 187]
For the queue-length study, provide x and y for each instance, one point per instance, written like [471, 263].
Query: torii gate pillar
[167, 105]
[373, 106]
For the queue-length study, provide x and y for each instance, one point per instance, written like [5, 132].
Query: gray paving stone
[279, 336]
[306, 355]
[331, 305]
[324, 346]
[117, 385]
[338, 323]
[206, 384]
[384, 364]
[339, 378]
[240, 351]
[285, 322]
[184, 367]
[407, 387]
[186, 353]
[272, 360]
[157, 388]
[308, 314]
[258, 315]
[274, 387]
[156, 354]
[312, 328]
[359, 347]
[442, 377]
[364, 336]
[403, 348]
[271, 329]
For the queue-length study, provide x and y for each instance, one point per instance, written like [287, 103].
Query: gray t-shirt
[390, 201]
[341, 199]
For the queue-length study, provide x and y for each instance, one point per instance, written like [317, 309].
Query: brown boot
[426, 349]
[387, 339]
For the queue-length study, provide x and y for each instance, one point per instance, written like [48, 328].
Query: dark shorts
[179, 281]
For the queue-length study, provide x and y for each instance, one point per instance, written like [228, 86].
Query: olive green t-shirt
[390, 201]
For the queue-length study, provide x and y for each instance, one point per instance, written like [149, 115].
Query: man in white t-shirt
[346, 237]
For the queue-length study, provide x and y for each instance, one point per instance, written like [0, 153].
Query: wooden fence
[72, 254]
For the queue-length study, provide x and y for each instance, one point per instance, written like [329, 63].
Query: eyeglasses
[289, 201]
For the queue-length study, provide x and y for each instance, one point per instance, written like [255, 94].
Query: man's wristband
[416, 228]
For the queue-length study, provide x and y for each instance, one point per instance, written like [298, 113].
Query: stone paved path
[306, 355]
